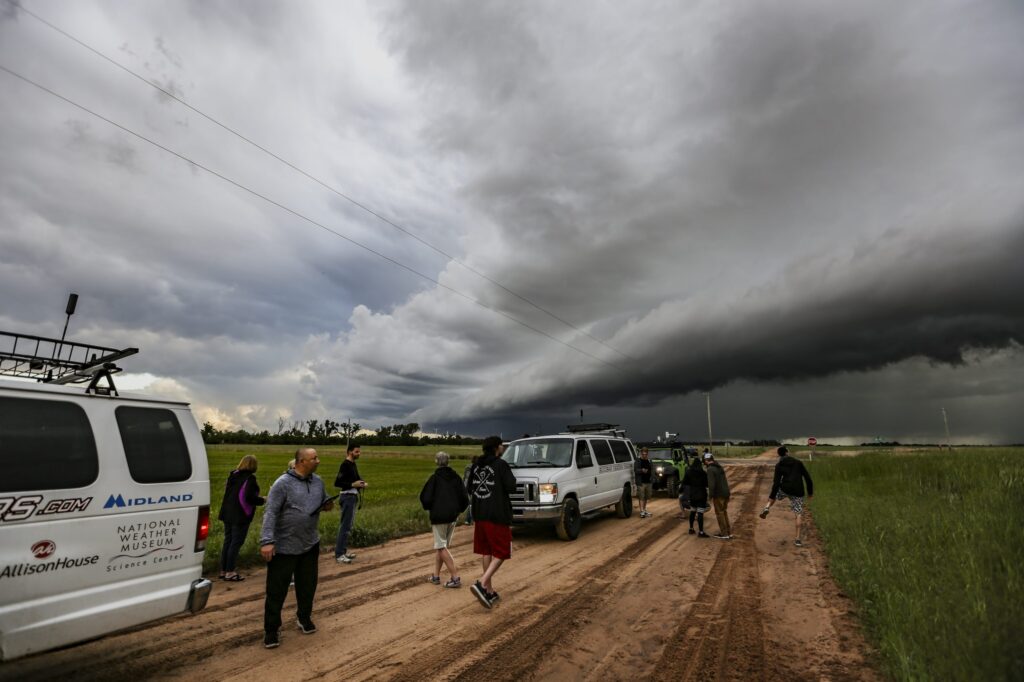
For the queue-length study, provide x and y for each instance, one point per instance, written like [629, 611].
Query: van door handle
[595, 480]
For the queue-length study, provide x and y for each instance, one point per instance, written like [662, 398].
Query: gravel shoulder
[630, 598]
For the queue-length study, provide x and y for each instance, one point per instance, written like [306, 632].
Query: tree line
[331, 432]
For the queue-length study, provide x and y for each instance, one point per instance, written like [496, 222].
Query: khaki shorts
[443, 533]
[645, 490]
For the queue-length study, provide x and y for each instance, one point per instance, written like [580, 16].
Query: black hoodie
[241, 497]
[697, 479]
[444, 496]
[790, 474]
[491, 482]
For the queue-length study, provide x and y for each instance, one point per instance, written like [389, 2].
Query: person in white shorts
[444, 496]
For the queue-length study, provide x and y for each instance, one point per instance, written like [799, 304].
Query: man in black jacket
[491, 483]
[444, 496]
[790, 475]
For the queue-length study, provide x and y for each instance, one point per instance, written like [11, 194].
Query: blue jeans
[348, 516]
[234, 538]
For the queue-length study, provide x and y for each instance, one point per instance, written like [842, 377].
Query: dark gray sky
[813, 210]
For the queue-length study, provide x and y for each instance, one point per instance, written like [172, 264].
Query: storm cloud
[748, 199]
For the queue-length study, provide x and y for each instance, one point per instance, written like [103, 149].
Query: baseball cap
[708, 455]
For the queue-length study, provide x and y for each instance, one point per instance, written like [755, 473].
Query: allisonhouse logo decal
[122, 501]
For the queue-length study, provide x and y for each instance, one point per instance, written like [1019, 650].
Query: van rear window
[621, 451]
[154, 445]
[45, 445]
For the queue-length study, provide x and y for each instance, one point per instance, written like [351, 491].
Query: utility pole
[945, 421]
[707, 398]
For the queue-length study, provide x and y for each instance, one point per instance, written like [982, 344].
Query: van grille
[524, 492]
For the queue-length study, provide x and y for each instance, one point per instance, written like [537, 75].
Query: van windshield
[546, 452]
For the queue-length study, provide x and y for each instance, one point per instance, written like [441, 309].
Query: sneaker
[481, 595]
[723, 537]
[306, 626]
[434, 580]
[344, 559]
[702, 534]
[493, 597]
[691, 531]
[271, 640]
[799, 543]
[764, 513]
[454, 582]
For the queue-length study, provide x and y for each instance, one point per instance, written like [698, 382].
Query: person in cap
[790, 476]
[491, 484]
[444, 496]
[718, 491]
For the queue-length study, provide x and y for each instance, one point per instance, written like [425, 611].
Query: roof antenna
[70, 310]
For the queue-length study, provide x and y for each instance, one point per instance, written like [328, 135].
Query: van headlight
[548, 492]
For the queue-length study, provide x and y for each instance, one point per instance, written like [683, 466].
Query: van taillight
[202, 527]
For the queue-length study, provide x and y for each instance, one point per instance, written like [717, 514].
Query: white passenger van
[104, 500]
[564, 477]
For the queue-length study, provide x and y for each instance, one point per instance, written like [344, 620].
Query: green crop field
[931, 547]
[391, 505]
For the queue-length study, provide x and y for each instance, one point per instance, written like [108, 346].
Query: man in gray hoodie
[290, 542]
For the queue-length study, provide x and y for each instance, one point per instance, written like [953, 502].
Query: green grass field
[391, 505]
[931, 547]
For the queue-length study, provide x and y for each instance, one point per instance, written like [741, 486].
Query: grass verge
[930, 546]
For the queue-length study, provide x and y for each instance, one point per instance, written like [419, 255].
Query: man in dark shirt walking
[491, 483]
[351, 486]
[444, 496]
[790, 475]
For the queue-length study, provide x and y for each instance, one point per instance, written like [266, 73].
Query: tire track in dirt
[505, 652]
[722, 635]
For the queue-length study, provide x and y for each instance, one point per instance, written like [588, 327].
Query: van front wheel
[624, 507]
[569, 522]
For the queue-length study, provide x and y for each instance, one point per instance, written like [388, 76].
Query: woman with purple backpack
[241, 497]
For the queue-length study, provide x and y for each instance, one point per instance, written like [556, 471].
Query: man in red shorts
[491, 483]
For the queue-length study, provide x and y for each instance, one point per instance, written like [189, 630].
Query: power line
[308, 175]
[303, 217]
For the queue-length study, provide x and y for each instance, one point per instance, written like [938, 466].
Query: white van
[104, 505]
[563, 477]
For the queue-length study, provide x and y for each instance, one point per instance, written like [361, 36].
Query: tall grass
[931, 546]
[391, 506]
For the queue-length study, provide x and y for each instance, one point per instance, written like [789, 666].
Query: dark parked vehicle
[668, 466]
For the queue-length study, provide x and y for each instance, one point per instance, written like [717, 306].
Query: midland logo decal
[122, 501]
[43, 549]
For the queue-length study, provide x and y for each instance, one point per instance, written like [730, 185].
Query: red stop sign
[812, 441]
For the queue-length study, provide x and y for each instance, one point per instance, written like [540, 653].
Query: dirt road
[630, 599]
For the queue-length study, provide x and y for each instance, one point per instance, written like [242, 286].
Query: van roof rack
[54, 361]
[600, 428]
